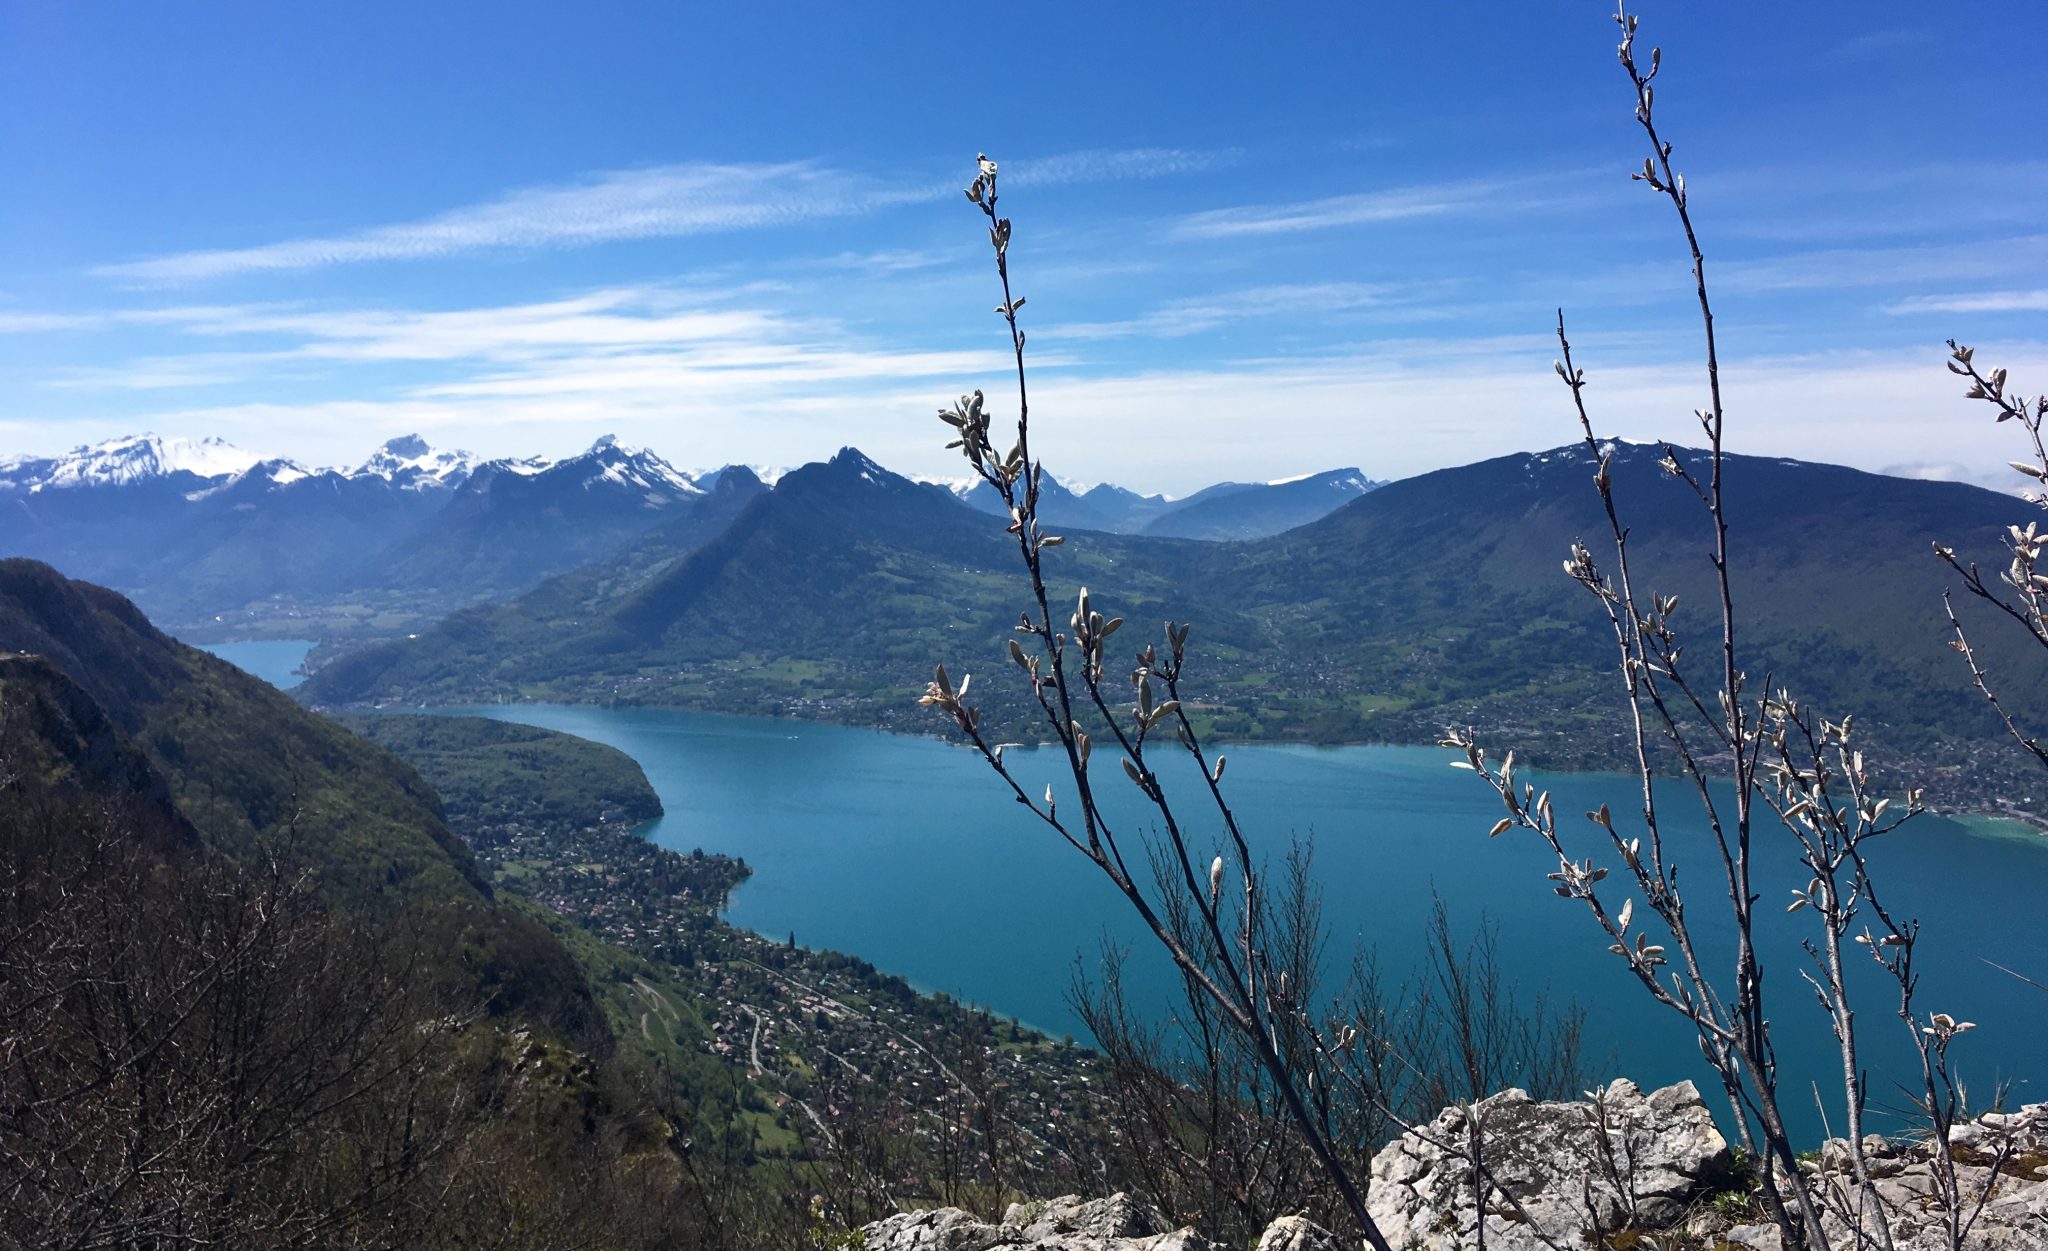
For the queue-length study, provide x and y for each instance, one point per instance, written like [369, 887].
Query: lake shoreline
[1987, 820]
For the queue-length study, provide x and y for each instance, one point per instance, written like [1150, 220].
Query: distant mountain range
[1227, 510]
[1431, 601]
[1328, 607]
[217, 541]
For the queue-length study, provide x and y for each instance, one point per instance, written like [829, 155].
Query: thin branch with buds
[1067, 669]
[1805, 770]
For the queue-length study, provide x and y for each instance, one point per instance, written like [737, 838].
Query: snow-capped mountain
[204, 466]
[611, 463]
[410, 463]
[514, 522]
[124, 461]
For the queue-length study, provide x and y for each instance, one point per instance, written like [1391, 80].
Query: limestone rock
[940, 1229]
[2014, 1217]
[1068, 1223]
[1625, 1159]
[1118, 1216]
[1299, 1233]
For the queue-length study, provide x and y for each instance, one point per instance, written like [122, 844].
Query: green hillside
[246, 765]
[497, 772]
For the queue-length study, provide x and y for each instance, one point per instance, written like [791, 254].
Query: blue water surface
[907, 852]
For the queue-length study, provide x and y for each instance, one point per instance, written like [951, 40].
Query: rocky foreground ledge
[1605, 1171]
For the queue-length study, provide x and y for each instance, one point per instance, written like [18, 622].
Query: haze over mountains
[208, 536]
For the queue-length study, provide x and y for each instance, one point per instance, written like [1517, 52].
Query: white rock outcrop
[1068, 1223]
[2001, 1159]
[1622, 1160]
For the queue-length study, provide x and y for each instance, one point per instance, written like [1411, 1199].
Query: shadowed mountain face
[243, 763]
[1434, 600]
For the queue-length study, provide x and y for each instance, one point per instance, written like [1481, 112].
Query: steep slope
[244, 763]
[392, 1055]
[55, 739]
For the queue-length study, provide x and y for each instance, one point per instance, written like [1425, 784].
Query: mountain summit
[411, 463]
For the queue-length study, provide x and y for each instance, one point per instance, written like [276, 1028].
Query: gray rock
[1118, 1216]
[1624, 1160]
[941, 1229]
[1299, 1233]
[2000, 1157]
[1068, 1223]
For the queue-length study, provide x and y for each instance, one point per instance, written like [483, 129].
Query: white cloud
[1982, 302]
[1847, 268]
[1877, 43]
[1106, 165]
[1194, 316]
[689, 198]
[1363, 208]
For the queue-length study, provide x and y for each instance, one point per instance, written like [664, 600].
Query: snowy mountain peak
[852, 458]
[610, 463]
[119, 462]
[277, 471]
[410, 462]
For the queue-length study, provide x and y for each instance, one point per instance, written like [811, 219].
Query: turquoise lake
[905, 851]
[276, 661]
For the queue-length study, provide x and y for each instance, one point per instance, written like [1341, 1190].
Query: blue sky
[1257, 240]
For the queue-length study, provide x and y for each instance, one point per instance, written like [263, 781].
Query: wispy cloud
[1875, 44]
[1195, 316]
[1363, 208]
[1111, 165]
[1981, 302]
[686, 199]
[690, 198]
[1846, 268]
